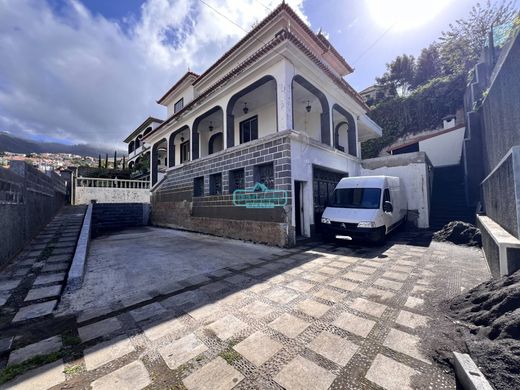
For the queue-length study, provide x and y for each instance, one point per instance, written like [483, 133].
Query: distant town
[49, 161]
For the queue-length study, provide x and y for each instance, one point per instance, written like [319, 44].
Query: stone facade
[174, 204]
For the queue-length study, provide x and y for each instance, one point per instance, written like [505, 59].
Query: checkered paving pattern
[317, 317]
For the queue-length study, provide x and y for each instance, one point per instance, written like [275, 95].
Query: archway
[209, 123]
[158, 159]
[345, 138]
[216, 143]
[179, 146]
[131, 147]
[257, 99]
[311, 113]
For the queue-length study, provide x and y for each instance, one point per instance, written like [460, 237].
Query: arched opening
[131, 165]
[131, 147]
[138, 141]
[159, 160]
[179, 146]
[147, 131]
[252, 112]
[310, 110]
[345, 138]
[206, 125]
[216, 143]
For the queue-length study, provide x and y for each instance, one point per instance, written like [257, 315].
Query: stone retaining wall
[29, 199]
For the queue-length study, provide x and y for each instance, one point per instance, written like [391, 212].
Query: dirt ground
[490, 314]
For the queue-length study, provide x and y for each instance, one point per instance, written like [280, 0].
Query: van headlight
[325, 220]
[366, 224]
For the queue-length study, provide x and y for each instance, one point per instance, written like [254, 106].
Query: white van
[365, 207]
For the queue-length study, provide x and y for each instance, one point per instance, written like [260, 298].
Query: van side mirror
[387, 207]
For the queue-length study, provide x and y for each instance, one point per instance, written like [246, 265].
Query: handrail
[111, 183]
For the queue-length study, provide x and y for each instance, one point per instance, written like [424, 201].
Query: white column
[284, 75]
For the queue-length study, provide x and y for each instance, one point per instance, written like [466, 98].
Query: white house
[442, 146]
[136, 147]
[274, 109]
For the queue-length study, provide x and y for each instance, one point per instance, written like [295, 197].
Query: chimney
[448, 122]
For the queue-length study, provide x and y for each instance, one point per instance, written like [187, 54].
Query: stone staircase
[448, 201]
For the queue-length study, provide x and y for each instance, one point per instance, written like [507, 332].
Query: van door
[388, 217]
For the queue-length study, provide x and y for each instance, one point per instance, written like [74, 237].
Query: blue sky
[91, 70]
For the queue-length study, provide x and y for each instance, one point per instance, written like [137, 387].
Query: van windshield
[356, 198]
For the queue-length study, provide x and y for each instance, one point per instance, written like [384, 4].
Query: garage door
[324, 182]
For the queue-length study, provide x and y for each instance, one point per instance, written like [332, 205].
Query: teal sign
[259, 197]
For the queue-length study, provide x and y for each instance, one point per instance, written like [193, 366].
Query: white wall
[303, 157]
[444, 149]
[416, 180]
[83, 195]
[187, 94]
[266, 120]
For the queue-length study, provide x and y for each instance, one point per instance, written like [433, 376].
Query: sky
[90, 71]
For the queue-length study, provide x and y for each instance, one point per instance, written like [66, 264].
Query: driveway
[145, 262]
[243, 316]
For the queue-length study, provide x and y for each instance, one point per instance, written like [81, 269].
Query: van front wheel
[379, 236]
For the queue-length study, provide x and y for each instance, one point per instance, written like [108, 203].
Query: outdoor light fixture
[245, 109]
[211, 126]
[182, 137]
[308, 107]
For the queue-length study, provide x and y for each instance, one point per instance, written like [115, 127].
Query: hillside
[10, 143]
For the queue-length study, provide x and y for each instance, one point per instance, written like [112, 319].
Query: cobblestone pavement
[313, 317]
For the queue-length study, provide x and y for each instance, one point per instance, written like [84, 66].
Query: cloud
[69, 74]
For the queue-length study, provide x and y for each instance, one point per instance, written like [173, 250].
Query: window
[198, 186]
[178, 106]
[236, 180]
[249, 129]
[356, 198]
[386, 196]
[265, 174]
[215, 184]
[185, 151]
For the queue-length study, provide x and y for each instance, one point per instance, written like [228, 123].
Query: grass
[14, 370]
[69, 339]
[46, 253]
[73, 369]
[229, 354]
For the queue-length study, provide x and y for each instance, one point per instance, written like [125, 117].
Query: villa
[274, 110]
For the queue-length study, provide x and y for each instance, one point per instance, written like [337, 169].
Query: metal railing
[111, 183]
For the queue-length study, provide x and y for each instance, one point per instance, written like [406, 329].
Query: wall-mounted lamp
[210, 126]
[308, 107]
[182, 137]
[245, 109]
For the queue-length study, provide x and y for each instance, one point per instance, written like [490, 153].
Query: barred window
[198, 186]
[265, 174]
[236, 180]
[215, 184]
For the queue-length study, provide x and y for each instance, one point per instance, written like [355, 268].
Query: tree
[428, 65]
[106, 161]
[399, 75]
[115, 159]
[461, 45]
[99, 162]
